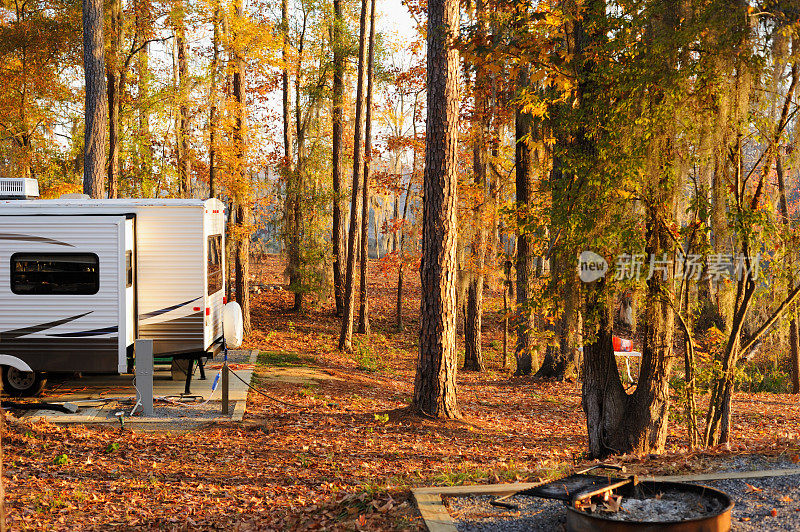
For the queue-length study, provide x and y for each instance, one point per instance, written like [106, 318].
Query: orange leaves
[752, 489]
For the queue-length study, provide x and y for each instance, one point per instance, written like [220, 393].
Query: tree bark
[182, 131]
[794, 348]
[363, 312]
[114, 89]
[400, 270]
[94, 159]
[144, 167]
[213, 117]
[435, 381]
[561, 356]
[242, 262]
[346, 334]
[337, 237]
[473, 355]
[525, 257]
[291, 206]
[617, 422]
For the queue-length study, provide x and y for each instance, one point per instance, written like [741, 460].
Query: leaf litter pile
[335, 448]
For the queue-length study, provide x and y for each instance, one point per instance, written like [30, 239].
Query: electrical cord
[294, 405]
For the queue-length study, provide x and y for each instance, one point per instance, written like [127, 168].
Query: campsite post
[225, 384]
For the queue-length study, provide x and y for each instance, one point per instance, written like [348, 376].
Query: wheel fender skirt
[14, 362]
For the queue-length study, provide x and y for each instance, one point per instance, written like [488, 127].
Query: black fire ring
[582, 493]
[717, 520]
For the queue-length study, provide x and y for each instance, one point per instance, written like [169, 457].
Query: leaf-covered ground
[345, 455]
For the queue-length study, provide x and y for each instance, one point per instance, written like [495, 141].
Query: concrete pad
[100, 395]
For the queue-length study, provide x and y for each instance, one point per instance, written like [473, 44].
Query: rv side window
[55, 273]
[214, 264]
[128, 269]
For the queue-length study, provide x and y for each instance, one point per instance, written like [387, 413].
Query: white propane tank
[232, 324]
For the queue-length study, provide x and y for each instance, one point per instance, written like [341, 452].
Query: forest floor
[345, 451]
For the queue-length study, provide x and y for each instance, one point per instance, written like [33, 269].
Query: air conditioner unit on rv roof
[18, 188]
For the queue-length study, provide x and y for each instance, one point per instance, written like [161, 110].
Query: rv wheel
[22, 383]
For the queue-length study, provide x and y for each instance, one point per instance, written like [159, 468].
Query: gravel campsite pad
[176, 409]
[475, 514]
[769, 503]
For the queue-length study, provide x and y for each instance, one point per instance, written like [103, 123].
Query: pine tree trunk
[435, 381]
[114, 88]
[337, 236]
[363, 312]
[94, 159]
[346, 334]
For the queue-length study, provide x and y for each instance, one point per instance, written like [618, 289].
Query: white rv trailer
[81, 279]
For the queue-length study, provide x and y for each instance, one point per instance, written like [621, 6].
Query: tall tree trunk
[337, 237]
[435, 381]
[618, 422]
[182, 131]
[114, 89]
[298, 178]
[363, 312]
[242, 264]
[562, 355]
[94, 159]
[144, 151]
[794, 348]
[473, 355]
[346, 334]
[213, 117]
[290, 172]
[525, 256]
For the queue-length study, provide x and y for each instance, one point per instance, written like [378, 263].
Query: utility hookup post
[143, 351]
[226, 405]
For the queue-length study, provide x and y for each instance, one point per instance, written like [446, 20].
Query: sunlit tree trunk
[346, 334]
[94, 160]
[435, 381]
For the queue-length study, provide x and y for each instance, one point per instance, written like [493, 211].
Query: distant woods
[490, 149]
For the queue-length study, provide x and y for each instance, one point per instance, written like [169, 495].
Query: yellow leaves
[715, 336]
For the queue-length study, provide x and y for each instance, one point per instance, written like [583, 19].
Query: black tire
[18, 383]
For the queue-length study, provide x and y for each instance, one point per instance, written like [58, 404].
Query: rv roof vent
[75, 195]
[18, 188]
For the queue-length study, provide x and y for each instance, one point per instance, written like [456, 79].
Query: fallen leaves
[349, 460]
[751, 489]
